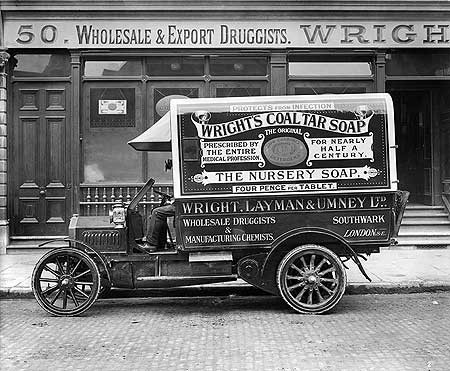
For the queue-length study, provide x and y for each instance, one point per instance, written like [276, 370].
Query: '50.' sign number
[26, 34]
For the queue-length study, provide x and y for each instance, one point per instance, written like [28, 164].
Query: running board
[174, 281]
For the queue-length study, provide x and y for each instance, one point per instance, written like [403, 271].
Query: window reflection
[235, 66]
[110, 125]
[112, 68]
[238, 92]
[112, 107]
[42, 65]
[418, 64]
[175, 66]
[313, 90]
[108, 158]
[161, 98]
[330, 69]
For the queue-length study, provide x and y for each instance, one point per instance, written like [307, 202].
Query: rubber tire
[317, 250]
[47, 306]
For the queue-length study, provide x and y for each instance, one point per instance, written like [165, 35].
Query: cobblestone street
[372, 332]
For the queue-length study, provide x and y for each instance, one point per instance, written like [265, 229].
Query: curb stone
[243, 289]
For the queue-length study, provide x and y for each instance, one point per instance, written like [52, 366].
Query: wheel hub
[66, 281]
[312, 279]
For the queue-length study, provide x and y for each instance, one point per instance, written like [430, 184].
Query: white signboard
[301, 33]
[112, 107]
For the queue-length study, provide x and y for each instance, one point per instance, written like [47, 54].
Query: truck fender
[260, 269]
[321, 236]
[86, 248]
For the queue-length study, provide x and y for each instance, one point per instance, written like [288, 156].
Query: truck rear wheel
[311, 279]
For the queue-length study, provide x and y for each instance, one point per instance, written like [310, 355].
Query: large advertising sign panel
[283, 145]
[260, 221]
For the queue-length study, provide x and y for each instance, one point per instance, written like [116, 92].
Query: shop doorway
[413, 137]
[39, 182]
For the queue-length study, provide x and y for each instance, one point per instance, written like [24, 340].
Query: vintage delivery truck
[277, 191]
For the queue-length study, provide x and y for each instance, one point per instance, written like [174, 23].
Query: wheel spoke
[326, 289]
[319, 294]
[334, 280]
[49, 290]
[68, 264]
[43, 279]
[80, 292]
[299, 296]
[74, 297]
[302, 259]
[84, 283]
[322, 262]
[48, 269]
[289, 277]
[56, 296]
[81, 274]
[331, 269]
[311, 262]
[58, 264]
[290, 288]
[65, 299]
[297, 269]
[310, 296]
[74, 269]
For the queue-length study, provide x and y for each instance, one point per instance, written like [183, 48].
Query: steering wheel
[164, 195]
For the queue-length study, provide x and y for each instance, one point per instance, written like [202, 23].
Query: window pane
[237, 92]
[175, 66]
[418, 64]
[330, 69]
[160, 107]
[112, 107]
[42, 65]
[162, 96]
[236, 66]
[112, 68]
[110, 125]
[329, 90]
[108, 157]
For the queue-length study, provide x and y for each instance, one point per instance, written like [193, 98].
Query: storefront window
[112, 68]
[237, 92]
[108, 158]
[42, 65]
[330, 69]
[235, 66]
[418, 64]
[112, 107]
[313, 90]
[175, 66]
[161, 105]
[111, 123]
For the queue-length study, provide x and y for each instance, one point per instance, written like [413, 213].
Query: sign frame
[182, 106]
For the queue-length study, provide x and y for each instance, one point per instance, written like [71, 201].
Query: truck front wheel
[311, 279]
[66, 282]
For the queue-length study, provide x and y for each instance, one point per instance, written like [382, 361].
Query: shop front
[79, 85]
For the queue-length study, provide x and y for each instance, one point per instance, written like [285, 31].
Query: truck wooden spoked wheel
[311, 279]
[66, 282]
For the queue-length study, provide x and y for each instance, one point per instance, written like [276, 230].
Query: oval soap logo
[285, 151]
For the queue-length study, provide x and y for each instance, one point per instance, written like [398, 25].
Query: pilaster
[278, 74]
[4, 224]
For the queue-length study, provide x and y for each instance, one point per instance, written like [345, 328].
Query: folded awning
[155, 138]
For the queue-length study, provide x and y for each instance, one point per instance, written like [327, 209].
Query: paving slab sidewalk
[391, 271]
